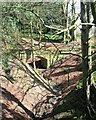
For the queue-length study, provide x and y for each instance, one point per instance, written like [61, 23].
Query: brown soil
[63, 76]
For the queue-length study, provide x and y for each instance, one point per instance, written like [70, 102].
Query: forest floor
[64, 75]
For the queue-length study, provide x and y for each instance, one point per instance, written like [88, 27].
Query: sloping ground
[63, 76]
[11, 95]
[27, 43]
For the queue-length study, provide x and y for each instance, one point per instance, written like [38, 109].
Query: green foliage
[53, 37]
[94, 76]
[79, 84]
[94, 46]
[6, 66]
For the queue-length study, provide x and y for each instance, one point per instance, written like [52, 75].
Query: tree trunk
[64, 19]
[72, 34]
[84, 43]
[93, 9]
[87, 80]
